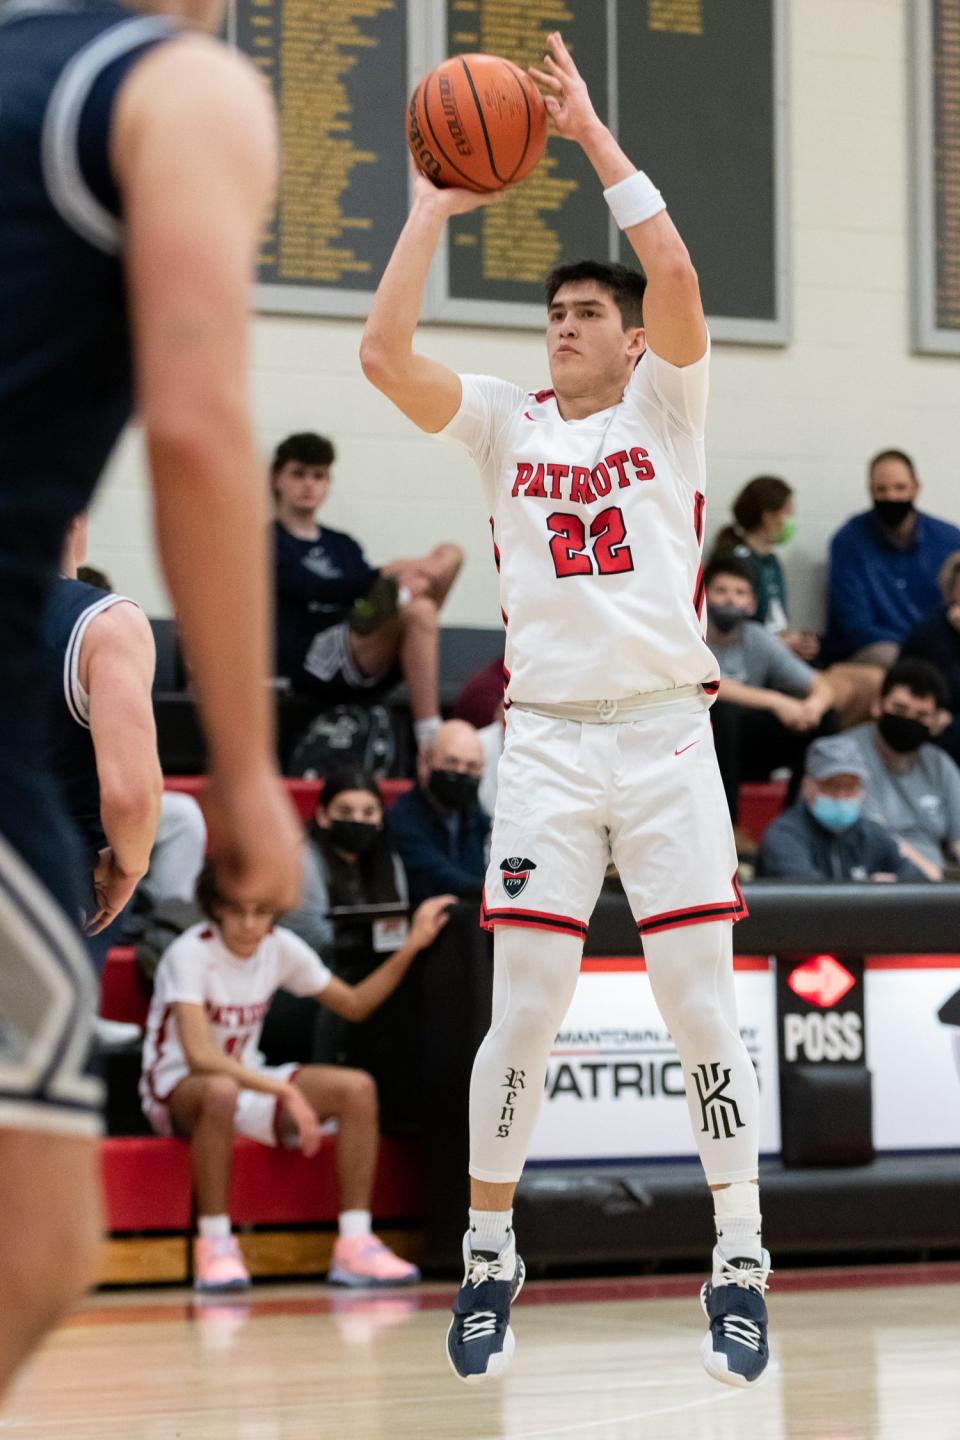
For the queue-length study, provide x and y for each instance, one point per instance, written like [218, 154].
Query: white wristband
[634, 200]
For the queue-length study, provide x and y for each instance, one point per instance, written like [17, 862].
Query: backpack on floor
[346, 735]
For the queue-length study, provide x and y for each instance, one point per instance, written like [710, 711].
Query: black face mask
[892, 513]
[453, 790]
[353, 837]
[902, 733]
[725, 617]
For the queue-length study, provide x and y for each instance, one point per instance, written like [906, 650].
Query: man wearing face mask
[912, 786]
[771, 704]
[439, 829]
[884, 565]
[826, 836]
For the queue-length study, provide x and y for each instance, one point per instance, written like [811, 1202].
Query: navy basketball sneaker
[480, 1343]
[735, 1350]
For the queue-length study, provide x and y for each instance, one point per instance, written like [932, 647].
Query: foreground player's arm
[117, 658]
[356, 1002]
[193, 151]
[672, 308]
[427, 392]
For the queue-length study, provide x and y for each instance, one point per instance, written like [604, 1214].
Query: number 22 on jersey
[601, 550]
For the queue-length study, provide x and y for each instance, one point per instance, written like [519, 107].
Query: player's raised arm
[426, 391]
[672, 308]
[193, 150]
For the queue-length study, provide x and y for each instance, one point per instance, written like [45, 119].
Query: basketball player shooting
[596, 495]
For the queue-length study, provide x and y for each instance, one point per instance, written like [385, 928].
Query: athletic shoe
[218, 1265]
[480, 1343]
[735, 1349]
[364, 1261]
[376, 607]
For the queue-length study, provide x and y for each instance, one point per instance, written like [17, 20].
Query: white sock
[425, 731]
[737, 1218]
[489, 1229]
[213, 1227]
[353, 1223]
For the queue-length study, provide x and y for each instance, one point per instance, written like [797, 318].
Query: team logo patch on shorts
[515, 873]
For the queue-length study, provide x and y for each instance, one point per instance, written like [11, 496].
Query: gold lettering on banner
[517, 239]
[682, 17]
[317, 46]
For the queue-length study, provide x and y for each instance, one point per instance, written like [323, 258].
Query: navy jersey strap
[75, 142]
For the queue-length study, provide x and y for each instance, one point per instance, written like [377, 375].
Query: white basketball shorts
[643, 790]
[256, 1115]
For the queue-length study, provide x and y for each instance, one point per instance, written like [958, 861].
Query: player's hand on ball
[566, 95]
[301, 1112]
[449, 199]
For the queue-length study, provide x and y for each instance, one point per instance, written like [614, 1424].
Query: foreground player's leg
[535, 975]
[359, 1259]
[50, 1202]
[691, 972]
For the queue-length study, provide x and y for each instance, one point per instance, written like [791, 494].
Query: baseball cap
[835, 755]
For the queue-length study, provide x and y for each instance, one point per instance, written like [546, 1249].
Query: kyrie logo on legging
[720, 1113]
[515, 873]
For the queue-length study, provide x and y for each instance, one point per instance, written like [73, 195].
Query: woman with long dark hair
[763, 518]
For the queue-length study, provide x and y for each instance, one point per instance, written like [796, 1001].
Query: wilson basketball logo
[515, 873]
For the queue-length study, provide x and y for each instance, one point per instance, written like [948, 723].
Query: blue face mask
[834, 814]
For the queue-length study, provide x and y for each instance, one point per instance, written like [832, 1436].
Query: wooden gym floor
[866, 1354]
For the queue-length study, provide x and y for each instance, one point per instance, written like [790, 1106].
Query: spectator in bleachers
[344, 627]
[937, 640]
[884, 565]
[763, 518]
[439, 828]
[771, 704]
[348, 864]
[912, 787]
[826, 836]
[203, 1077]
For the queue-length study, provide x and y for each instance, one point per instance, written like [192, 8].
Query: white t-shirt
[598, 533]
[198, 969]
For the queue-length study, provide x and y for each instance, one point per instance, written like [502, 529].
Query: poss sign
[820, 1010]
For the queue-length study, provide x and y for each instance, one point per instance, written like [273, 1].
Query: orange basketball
[477, 121]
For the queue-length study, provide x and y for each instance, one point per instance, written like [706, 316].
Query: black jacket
[437, 861]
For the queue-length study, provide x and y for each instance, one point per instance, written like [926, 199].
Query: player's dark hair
[900, 455]
[371, 878]
[305, 448]
[625, 285]
[90, 575]
[730, 565]
[764, 495]
[922, 679]
[208, 895]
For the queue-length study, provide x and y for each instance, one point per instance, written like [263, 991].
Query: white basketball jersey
[198, 969]
[598, 533]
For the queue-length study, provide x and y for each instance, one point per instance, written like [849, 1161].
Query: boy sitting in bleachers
[203, 1076]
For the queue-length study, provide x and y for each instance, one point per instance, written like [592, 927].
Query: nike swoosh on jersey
[686, 747]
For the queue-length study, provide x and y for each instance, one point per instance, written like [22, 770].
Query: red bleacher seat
[303, 793]
[147, 1184]
[760, 802]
